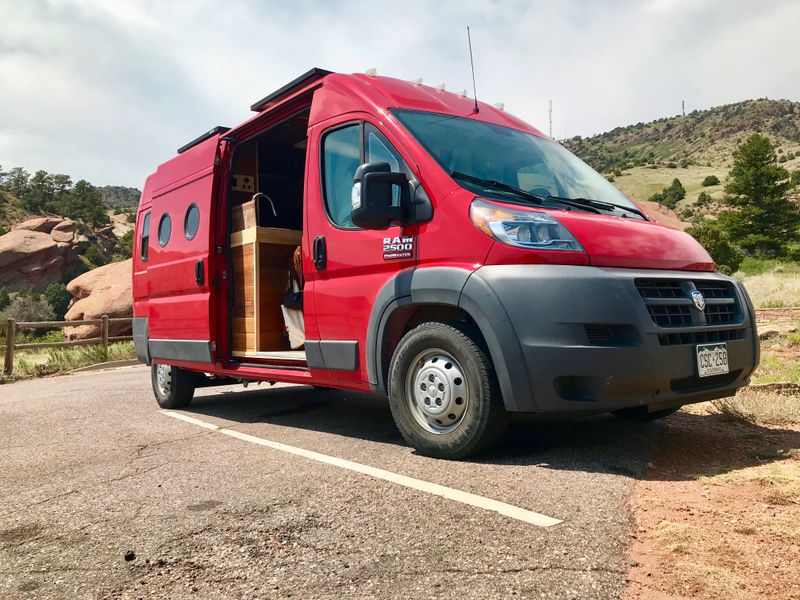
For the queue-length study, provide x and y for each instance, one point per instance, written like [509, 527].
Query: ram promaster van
[372, 234]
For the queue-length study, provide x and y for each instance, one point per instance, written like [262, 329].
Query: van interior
[265, 201]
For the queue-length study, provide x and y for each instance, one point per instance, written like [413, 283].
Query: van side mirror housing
[373, 187]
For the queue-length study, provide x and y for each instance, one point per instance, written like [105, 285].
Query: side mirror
[372, 196]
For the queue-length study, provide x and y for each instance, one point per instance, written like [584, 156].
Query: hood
[628, 242]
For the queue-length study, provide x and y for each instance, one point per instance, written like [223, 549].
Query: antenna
[683, 107]
[472, 66]
[550, 111]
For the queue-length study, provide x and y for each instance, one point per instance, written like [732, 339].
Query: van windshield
[473, 150]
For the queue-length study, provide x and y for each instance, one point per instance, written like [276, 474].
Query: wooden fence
[13, 326]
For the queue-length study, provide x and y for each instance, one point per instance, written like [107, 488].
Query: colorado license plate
[712, 359]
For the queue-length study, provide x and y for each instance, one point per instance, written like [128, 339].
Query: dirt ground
[717, 515]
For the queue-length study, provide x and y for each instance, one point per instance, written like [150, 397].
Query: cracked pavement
[91, 470]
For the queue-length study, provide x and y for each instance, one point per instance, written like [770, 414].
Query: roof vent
[371, 72]
[500, 106]
[417, 82]
[440, 88]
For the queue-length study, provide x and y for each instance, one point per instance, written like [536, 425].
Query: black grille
[696, 384]
[667, 315]
[599, 334]
[701, 337]
[659, 288]
[670, 303]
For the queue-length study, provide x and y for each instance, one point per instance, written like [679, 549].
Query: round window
[164, 229]
[191, 222]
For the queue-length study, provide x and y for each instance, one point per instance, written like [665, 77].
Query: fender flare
[450, 286]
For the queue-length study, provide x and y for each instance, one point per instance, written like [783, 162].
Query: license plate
[712, 359]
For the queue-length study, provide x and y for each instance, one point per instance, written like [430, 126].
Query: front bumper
[588, 342]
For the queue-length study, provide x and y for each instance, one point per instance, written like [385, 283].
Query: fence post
[11, 335]
[105, 336]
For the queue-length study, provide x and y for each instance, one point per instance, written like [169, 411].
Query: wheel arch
[445, 294]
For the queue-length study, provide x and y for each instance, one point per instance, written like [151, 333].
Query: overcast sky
[107, 89]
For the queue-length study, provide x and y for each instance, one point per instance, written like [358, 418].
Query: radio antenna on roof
[472, 66]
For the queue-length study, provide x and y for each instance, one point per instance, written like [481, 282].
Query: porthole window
[164, 229]
[191, 222]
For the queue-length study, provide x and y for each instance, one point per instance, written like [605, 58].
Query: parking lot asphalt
[103, 495]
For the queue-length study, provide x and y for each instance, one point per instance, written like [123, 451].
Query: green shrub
[26, 308]
[672, 165]
[124, 248]
[59, 298]
[94, 256]
[710, 180]
[704, 199]
[5, 300]
[670, 196]
[715, 240]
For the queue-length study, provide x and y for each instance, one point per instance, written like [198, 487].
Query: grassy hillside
[702, 137]
[642, 182]
[11, 211]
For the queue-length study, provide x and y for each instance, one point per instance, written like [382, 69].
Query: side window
[164, 229]
[145, 242]
[341, 151]
[191, 222]
[379, 149]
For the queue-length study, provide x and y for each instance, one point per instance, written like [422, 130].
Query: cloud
[107, 90]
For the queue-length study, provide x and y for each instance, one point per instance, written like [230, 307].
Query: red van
[449, 257]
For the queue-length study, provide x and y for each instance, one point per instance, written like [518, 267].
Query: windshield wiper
[601, 204]
[498, 185]
[512, 189]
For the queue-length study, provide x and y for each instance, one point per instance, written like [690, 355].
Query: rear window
[145, 241]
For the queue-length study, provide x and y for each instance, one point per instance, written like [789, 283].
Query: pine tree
[763, 220]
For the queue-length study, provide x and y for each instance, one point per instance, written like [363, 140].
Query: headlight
[522, 228]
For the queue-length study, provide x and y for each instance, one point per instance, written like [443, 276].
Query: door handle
[199, 272]
[320, 253]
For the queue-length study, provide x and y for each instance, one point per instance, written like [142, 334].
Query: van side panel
[172, 288]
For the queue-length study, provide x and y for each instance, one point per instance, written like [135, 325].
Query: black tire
[178, 388]
[482, 418]
[639, 414]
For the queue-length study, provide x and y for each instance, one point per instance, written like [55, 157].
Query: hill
[120, 198]
[644, 158]
[702, 137]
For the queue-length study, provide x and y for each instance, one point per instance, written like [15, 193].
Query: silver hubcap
[163, 378]
[436, 391]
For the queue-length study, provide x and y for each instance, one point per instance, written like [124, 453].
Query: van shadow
[685, 446]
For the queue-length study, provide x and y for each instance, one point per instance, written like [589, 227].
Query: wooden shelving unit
[261, 258]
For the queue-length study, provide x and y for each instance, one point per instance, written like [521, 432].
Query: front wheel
[443, 392]
[173, 387]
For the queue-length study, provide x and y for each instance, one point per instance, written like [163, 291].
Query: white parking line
[508, 510]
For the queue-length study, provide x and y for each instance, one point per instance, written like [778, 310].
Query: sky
[105, 90]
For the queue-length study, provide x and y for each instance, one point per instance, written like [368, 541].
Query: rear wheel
[443, 394]
[173, 387]
[641, 415]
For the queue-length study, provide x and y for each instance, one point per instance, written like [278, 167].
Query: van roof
[381, 92]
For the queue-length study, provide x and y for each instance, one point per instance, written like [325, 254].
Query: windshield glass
[509, 156]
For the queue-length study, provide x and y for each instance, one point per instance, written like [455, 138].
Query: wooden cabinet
[261, 258]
